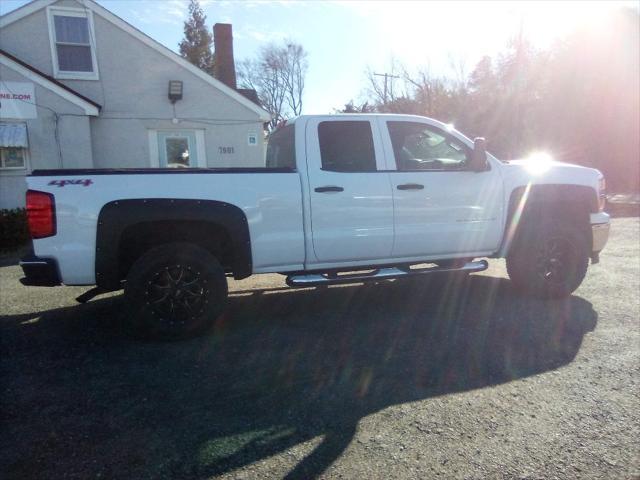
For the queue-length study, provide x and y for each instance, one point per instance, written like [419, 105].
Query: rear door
[350, 194]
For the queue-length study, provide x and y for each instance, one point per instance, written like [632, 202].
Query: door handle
[410, 186]
[329, 188]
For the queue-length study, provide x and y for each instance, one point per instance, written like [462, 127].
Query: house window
[72, 44]
[11, 157]
[177, 148]
[13, 146]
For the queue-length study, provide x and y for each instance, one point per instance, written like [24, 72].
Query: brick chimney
[224, 68]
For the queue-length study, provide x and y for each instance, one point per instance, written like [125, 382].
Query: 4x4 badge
[85, 182]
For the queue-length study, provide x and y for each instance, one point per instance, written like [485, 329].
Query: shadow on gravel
[281, 367]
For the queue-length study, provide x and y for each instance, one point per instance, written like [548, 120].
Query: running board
[315, 279]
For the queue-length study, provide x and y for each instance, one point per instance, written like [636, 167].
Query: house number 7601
[225, 150]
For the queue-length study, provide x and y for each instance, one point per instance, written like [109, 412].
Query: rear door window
[346, 146]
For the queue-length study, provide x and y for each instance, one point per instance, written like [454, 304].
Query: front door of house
[177, 149]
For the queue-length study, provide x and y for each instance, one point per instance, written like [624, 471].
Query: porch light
[175, 90]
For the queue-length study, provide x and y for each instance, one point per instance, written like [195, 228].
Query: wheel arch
[572, 203]
[128, 228]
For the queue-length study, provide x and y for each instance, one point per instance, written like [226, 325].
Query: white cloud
[172, 12]
[259, 34]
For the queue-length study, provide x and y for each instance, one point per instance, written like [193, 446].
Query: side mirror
[479, 155]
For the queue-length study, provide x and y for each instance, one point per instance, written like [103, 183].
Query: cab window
[346, 146]
[417, 146]
[281, 149]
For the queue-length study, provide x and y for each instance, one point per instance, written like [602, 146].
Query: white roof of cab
[370, 116]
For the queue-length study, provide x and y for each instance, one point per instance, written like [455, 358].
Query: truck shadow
[280, 368]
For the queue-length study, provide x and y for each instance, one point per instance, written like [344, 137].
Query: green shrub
[14, 231]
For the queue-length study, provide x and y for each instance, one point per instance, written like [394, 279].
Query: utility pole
[386, 76]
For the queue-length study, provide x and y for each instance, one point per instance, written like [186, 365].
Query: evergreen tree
[196, 45]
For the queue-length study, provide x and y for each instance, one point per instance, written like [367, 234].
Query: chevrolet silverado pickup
[341, 198]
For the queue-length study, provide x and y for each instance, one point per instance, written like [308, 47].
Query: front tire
[548, 259]
[175, 291]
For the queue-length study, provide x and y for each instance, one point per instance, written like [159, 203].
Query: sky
[345, 38]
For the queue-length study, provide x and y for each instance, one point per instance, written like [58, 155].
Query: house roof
[89, 106]
[249, 93]
[36, 5]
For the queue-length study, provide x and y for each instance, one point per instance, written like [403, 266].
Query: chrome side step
[315, 279]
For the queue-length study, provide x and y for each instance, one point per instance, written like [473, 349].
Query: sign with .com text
[17, 100]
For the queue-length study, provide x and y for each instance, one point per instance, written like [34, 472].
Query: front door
[177, 149]
[441, 207]
[351, 202]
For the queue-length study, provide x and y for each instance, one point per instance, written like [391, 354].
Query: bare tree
[294, 69]
[278, 75]
[399, 90]
[458, 67]
[263, 76]
[352, 107]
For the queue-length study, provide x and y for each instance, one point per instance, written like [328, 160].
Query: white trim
[89, 108]
[154, 154]
[200, 149]
[150, 42]
[72, 12]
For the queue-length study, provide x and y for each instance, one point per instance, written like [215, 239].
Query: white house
[81, 88]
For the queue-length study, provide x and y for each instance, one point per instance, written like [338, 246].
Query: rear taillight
[41, 214]
[602, 193]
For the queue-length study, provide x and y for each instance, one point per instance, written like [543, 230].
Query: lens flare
[517, 216]
[538, 163]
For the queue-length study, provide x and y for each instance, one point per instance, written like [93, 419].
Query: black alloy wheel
[556, 261]
[177, 294]
[548, 259]
[174, 291]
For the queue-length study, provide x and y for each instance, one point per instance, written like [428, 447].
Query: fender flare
[116, 216]
[549, 195]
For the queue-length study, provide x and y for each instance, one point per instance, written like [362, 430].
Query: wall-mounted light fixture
[175, 90]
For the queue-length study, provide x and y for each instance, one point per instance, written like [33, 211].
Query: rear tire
[548, 259]
[175, 291]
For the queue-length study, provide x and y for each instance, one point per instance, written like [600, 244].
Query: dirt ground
[409, 379]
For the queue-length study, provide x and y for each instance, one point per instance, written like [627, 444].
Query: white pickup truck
[343, 198]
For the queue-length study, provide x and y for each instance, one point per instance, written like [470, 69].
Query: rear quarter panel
[271, 202]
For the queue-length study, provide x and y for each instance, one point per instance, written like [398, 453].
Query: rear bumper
[39, 272]
[600, 224]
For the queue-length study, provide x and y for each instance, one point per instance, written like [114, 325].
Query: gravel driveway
[407, 379]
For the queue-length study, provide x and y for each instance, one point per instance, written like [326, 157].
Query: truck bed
[146, 171]
[273, 209]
